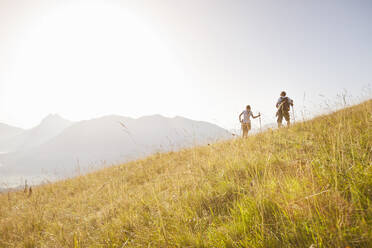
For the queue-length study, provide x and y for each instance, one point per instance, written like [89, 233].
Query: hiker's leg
[280, 119]
[287, 118]
[244, 131]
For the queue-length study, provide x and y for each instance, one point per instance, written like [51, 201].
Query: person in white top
[246, 122]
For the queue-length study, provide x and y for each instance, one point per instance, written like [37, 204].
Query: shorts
[282, 114]
[246, 126]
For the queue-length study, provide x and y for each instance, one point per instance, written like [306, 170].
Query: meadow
[309, 185]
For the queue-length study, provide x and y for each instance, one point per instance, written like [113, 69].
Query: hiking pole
[260, 121]
[293, 113]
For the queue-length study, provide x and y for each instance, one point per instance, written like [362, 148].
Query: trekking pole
[260, 121]
[293, 113]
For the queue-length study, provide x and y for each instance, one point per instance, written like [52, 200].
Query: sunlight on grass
[307, 185]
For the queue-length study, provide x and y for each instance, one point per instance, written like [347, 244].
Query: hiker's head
[248, 107]
[283, 93]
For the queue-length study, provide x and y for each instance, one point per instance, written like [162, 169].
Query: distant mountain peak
[54, 118]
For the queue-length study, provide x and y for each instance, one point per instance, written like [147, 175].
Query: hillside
[309, 185]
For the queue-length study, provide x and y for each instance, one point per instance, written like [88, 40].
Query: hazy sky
[204, 60]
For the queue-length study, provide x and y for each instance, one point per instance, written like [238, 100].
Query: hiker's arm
[254, 117]
[278, 103]
[290, 101]
[240, 116]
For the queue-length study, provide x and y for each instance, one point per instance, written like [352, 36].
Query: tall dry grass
[309, 185]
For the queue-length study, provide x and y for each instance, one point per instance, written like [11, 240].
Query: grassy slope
[310, 184]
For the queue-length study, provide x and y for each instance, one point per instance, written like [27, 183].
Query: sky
[203, 60]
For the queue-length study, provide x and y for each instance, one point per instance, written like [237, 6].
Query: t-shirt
[290, 101]
[247, 116]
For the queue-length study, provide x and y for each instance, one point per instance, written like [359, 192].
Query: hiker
[283, 105]
[246, 122]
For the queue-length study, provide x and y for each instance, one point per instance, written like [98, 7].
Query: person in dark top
[283, 105]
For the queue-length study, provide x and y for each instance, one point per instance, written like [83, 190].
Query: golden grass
[307, 185]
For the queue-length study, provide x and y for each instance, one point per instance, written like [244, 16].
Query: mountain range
[7, 132]
[22, 140]
[63, 147]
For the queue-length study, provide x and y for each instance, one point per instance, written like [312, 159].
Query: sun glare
[100, 55]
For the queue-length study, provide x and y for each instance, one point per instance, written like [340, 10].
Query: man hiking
[246, 122]
[283, 105]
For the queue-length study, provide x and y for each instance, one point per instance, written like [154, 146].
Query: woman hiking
[246, 122]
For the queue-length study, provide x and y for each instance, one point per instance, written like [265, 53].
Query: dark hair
[248, 106]
[283, 93]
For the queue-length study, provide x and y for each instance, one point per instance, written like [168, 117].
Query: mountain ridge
[49, 127]
[8, 131]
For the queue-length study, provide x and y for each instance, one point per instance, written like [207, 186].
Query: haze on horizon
[204, 60]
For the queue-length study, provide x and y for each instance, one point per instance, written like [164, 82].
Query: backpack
[286, 105]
